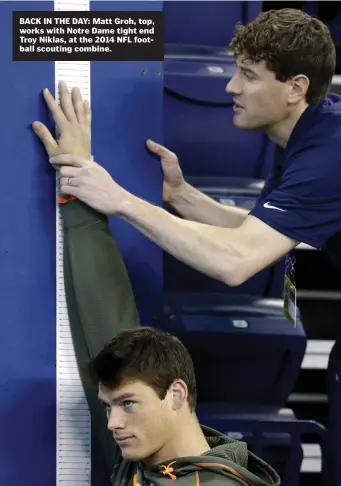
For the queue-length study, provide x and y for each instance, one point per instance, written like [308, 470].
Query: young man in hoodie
[147, 385]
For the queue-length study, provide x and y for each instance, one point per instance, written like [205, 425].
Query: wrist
[179, 195]
[124, 204]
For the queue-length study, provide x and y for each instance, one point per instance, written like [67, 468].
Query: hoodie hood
[227, 458]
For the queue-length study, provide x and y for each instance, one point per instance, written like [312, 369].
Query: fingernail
[151, 142]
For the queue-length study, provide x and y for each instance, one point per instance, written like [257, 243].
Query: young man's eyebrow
[119, 398]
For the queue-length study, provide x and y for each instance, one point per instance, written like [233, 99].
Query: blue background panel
[27, 263]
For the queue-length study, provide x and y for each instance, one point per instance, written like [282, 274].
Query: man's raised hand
[173, 179]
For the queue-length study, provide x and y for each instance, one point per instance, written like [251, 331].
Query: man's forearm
[208, 249]
[196, 206]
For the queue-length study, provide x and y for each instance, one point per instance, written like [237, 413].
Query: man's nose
[233, 86]
[115, 421]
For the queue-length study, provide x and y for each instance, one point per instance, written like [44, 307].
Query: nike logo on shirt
[269, 206]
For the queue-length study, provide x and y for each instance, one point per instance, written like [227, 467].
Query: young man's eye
[127, 404]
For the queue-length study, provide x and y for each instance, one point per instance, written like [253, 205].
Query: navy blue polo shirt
[302, 197]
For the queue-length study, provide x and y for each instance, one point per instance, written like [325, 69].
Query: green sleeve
[100, 304]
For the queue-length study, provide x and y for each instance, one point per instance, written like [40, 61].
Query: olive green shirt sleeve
[100, 304]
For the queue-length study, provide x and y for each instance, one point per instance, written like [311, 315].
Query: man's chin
[244, 124]
[131, 455]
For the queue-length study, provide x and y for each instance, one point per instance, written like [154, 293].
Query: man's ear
[298, 88]
[178, 394]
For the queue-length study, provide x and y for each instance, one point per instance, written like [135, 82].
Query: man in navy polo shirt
[285, 63]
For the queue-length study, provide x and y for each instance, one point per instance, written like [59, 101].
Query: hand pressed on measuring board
[73, 123]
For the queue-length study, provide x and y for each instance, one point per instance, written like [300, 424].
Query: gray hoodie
[228, 462]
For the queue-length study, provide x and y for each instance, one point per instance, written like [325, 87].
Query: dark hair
[155, 357]
[290, 42]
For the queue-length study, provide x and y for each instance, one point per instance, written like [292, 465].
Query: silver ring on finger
[69, 181]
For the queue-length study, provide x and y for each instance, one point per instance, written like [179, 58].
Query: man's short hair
[290, 42]
[146, 354]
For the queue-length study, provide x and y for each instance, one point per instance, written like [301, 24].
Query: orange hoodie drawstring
[168, 470]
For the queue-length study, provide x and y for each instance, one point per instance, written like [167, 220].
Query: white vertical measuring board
[73, 459]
